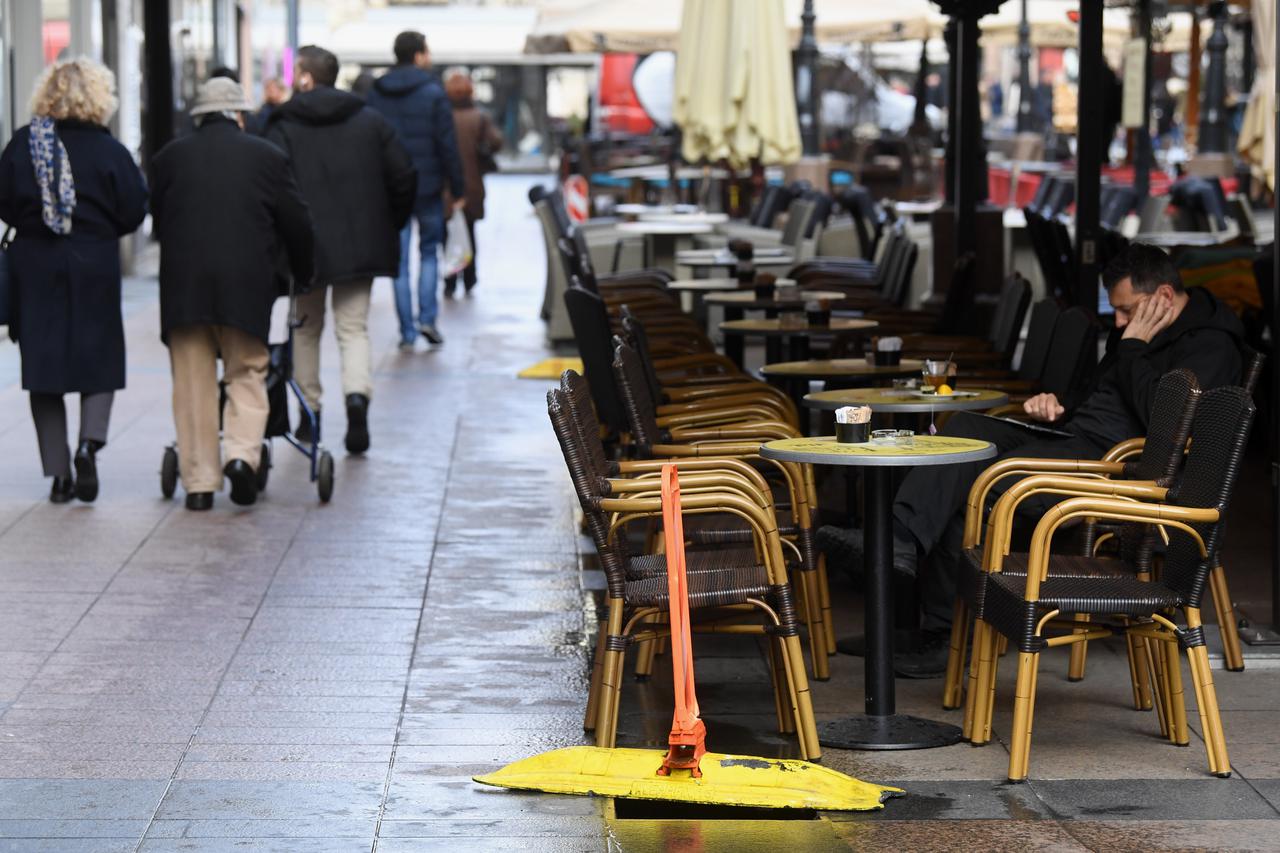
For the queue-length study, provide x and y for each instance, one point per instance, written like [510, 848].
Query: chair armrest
[1021, 466]
[1125, 450]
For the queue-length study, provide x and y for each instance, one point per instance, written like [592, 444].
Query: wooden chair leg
[978, 659]
[808, 593]
[1079, 652]
[1215, 741]
[593, 692]
[610, 698]
[953, 684]
[824, 598]
[1024, 699]
[1180, 734]
[984, 685]
[781, 690]
[1232, 656]
[647, 650]
[1139, 672]
[806, 725]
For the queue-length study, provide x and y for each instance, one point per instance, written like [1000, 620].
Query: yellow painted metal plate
[727, 780]
[550, 368]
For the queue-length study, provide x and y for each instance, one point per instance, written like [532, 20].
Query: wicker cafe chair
[996, 347]
[1169, 424]
[719, 588]
[737, 433]
[1023, 608]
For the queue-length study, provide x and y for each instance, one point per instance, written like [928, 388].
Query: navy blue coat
[415, 103]
[67, 288]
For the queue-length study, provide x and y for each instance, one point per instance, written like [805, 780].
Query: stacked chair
[1021, 598]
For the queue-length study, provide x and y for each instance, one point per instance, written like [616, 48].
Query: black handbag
[7, 295]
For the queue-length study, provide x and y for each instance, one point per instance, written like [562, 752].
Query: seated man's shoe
[845, 550]
[928, 660]
[244, 483]
[303, 431]
[199, 501]
[62, 491]
[357, 423]
[431, 333]
[87, 471]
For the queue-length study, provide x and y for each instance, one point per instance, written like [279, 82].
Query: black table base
[896, 731]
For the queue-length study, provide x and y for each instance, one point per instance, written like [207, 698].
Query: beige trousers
[350, 326]
[193, 354]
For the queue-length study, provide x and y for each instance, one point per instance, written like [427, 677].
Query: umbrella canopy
[733, 83]
[845, 22]
[1050, 26]
[1257, 141]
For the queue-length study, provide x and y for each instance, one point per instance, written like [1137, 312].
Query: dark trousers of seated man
[928, 511]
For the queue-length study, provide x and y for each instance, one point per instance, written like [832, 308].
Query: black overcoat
[226, 207]
[67, 317]
[356, 177]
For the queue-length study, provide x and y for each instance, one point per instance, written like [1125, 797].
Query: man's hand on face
[1152, 316]
[1044, 408]
[459, 205]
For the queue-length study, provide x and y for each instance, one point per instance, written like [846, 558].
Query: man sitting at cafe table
[1160, 326]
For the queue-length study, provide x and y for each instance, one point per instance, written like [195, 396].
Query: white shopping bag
[457, 245]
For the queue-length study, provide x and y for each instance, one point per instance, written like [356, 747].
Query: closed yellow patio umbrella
[733, 96]
[1257, 142]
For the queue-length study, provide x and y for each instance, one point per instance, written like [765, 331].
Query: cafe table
[686, 218]
[795, 376]
[662, 238]
[737, 301]
[710, 259]
[880, 726]
[775, 331]
[907, 401]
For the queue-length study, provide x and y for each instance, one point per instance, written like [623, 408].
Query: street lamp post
[806, 81]
[1024, 73]
[1213, 114]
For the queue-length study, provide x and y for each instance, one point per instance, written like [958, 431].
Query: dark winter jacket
[356, 178]
[414, 102]
[1204, 339]
[225, 207]
[67, 288]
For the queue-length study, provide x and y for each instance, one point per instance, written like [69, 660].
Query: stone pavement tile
[70, 768]
[539, 827]
[303, 667]
[236, 799]
[300, 716]
[287, 753]
[294, 704]
[564, 730]
[360, 599]
[1269, 789]
[67, 845]
[258, 845]
[33, 698]
[145, 729]
[1245, 728]
[952, 765]
[79, 799]
[26, 575]
[284, 771]
[1251, 690]
[26, 829]
[249, 828]
[312, 624]
[295, 735]
[79, 750]
[89, 717]
[1150, 799]
[411, 755]
[1140, 836]
[386, 688]
[954, 801]
[944, 836]
[459, 798]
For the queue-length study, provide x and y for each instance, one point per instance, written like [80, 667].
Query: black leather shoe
[357, 423]
[199, 501]
[303, 431]
[63, 490]
[244, 483]
[87, 471]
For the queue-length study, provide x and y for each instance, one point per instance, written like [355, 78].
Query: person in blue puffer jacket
[413, 100]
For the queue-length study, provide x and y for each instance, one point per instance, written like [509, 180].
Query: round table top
[686, 218]
[664, 227]
[723, 258]
[628, 209]
[713, 285]
[897, 401]
[924, 450]
[773, 326]
[746, 298]
[841, 368]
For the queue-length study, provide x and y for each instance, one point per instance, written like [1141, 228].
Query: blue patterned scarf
[53, 174]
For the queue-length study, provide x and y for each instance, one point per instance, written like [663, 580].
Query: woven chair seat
[708, 588]
[713, 530]
[655, 565]
[1008, 611]
[972, 582]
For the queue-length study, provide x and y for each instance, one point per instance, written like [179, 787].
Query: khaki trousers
[350, 326]
[193, 355]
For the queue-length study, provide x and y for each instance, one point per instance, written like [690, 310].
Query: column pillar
[806, 81]
[1089, 153]
[1213, 112]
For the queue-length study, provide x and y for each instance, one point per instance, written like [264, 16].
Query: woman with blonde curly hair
[70, 192]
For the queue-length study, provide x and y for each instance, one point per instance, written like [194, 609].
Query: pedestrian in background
[413, 100]
[360, 184]
[71, 191]
[223, 203]
[274, 93]
[478, 141]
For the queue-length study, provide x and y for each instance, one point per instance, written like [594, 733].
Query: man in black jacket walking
[1160, 326]
[413, 100]
[360, 185]
[224, 203]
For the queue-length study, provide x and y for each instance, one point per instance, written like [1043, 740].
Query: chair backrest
[1116, 202]
[1070, 350]
[1253, 362]
[1011, 311]
[766, 207]
[1063, 257]
[637, 338]
[819, 215]
[1044, 317]
[577, 261]
[634, 390]
[799, 213]
[593, 334]
[1242, 213]
[958, 304]
[1219, 434]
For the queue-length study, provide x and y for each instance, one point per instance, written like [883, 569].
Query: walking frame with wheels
[279, 370]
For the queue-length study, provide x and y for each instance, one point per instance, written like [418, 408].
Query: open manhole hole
[670, 810]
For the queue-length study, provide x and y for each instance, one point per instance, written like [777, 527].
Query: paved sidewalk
[298, 677]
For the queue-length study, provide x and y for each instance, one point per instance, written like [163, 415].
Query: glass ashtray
[896, 437]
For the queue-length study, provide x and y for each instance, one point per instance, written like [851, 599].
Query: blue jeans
[430, 218]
